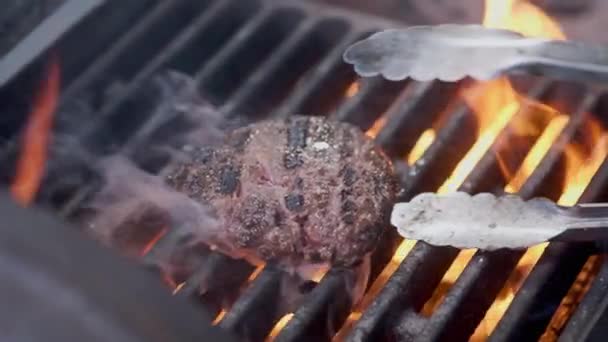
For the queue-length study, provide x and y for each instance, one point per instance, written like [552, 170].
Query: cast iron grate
[261, 59]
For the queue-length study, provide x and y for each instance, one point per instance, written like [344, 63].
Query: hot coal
[297, 191]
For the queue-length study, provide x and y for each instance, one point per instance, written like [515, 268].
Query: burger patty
[301, 190]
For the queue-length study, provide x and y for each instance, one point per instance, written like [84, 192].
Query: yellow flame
[495, 103]
[521, 16]
[576, 185]
[540, 148]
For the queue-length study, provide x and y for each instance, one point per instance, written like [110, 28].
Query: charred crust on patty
[300, 190]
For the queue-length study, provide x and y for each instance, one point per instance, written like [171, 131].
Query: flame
[278, 326]
[495, 104]
[531, 21]
[494, 110]
[540, 148]
[36, 137]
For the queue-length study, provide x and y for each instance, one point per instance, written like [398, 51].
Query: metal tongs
[490, 222]
[453, 52]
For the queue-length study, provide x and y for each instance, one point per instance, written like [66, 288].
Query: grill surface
[262, 59]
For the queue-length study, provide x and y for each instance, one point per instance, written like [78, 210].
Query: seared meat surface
[302, 190]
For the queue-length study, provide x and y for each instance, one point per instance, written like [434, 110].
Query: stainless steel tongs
[453, 52]
[490, 222]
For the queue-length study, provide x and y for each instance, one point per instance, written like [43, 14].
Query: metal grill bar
[557, 268]
[109, 59]
[471, 296]
[413, 112]
[317, 79]
[231, 48]
[465, 296]
[258, 307]
[375, 95]
[589, 324]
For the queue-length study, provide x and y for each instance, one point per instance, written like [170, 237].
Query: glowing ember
[277, 327]
[36, 137]
[376, 127]
[219, 317]
[255, 273]
[352, 89]
[573, 297]
[423, 143]
[178, 288]
[153, 242]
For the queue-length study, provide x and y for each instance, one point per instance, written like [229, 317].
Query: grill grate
[274, 58]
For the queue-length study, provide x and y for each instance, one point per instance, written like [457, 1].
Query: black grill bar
[231, 48]
[258, 307]
[317, 80]
[373, 99]
[552, 276]
[590, 323]
[107, 60]
[428, 173]
[477, 287]
[322, 312]
[204, 21]
[262, 74]
[413, 112]
[466, 295]
[407, 290]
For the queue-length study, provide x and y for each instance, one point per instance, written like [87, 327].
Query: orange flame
[530, 20]
[495, 104]
[278, 326]
[36, 137]
[376, 127]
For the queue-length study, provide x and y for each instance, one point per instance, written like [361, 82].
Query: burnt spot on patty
[294, 202]
[297, 132]
[228, 180]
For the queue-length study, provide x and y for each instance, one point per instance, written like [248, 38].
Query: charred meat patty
[301, 190]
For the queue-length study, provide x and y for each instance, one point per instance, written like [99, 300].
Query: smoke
[131, 207]
[128, 193]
